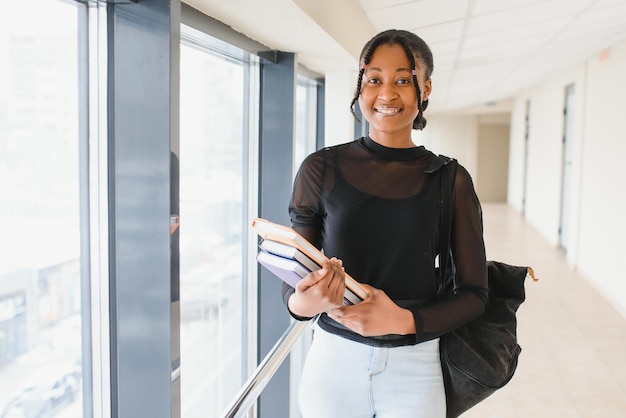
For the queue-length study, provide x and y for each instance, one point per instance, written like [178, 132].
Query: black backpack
[480, 357]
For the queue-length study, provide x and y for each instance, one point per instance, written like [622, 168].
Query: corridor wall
[596, 204]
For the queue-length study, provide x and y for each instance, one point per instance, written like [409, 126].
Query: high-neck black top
[377, 210]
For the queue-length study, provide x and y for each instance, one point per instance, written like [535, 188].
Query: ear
[428, 87]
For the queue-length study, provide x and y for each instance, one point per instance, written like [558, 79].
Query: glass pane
[305, 142]
[306, 118]
[40, 327]
[211, 230]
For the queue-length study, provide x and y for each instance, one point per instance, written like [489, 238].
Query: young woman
[371, 206]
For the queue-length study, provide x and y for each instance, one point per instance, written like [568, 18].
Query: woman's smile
[388, 110]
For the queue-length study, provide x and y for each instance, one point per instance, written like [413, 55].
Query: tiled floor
[573, 361]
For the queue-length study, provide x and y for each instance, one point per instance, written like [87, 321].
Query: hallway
[573, 360]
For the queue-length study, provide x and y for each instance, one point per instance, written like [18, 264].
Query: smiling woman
[416, 60]
[374, 205]
[389, 99]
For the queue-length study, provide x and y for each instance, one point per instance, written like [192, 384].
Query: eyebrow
[380, 70]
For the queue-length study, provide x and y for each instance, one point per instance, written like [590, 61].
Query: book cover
[280, 233]
[288, 251]
[288, 270]
[291, 271]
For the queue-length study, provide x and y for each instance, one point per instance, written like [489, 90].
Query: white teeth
[387, 110]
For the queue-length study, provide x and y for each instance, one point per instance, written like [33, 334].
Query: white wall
[603, 205]
[516, 155]
[545, 145]
[338, 121]
[453, 136]
[459, 136]
[493, 162]
[598, 209]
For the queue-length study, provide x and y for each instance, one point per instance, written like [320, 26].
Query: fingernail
[321, 272]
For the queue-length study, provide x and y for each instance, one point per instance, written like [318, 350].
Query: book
[288, 270]
[288, 251]
[291, 271]
[283, 234]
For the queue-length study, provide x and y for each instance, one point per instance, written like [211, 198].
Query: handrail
[264, 372]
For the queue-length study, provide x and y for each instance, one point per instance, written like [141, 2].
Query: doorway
[568, 119]
[526, 139]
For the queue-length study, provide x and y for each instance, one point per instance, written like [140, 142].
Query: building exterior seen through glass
[212, 210]
[40, 295]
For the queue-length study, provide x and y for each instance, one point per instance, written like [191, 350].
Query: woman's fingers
[337, 276]
[334, 282]
[322, 289]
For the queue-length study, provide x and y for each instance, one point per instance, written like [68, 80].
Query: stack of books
[290, 257]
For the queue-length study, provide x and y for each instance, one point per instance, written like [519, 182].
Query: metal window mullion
[276, 137]
[140, 125]
[320, 109]
[251, 199]
[98, 211]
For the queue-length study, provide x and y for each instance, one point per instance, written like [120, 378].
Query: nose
[388, 91]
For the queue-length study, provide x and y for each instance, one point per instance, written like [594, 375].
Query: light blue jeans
[346, 379]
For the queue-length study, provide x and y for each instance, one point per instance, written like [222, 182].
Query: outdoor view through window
[40, 330]
[42, 275]
[212, 289]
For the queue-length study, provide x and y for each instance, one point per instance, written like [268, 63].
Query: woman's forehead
[393, 53]
[388, 51]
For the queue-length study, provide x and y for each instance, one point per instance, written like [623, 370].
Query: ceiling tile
[445, 48]
[441, 32]
[369, 5]
[515, 31]
[535, 13]
[482, 7]
[418, 14]
[613, 14]
[553, 7]
[601, 4]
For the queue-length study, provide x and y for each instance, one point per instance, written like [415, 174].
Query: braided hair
[415, 47]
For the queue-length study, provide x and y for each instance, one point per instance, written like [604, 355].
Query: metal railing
[251, 390]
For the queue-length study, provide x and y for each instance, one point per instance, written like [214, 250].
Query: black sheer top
[376, 209]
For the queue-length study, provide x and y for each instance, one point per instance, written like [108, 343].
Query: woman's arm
[468, 251]
[322, 290]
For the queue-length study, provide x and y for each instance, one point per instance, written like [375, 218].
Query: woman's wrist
[297, 310]
[406, 322]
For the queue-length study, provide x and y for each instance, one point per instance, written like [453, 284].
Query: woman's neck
[392, 141]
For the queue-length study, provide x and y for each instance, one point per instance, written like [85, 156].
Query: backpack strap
[438, 162]
[446, 263]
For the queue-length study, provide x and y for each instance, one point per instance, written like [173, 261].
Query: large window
[40, 290]
[215, 81]
[306, 118]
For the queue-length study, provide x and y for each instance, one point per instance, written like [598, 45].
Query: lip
[387, 110]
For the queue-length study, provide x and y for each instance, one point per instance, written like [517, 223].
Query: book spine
[279, 233]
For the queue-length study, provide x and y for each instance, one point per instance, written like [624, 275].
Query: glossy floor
[573, 361]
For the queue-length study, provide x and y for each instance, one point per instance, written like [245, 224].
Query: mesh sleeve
[468, 251]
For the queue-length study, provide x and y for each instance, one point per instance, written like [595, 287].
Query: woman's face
[388, 98]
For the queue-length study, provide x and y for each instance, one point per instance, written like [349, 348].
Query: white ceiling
[485, 51]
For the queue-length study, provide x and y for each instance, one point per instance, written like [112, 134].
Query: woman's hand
[319, 291]
[376, 315]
